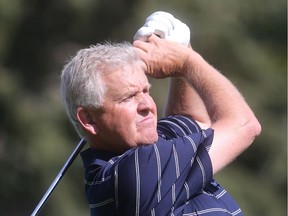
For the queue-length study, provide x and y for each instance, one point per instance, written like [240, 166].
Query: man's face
[129, 115]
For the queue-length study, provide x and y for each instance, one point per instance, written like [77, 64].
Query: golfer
[140, 165]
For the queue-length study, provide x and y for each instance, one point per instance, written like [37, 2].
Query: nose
[146, 102]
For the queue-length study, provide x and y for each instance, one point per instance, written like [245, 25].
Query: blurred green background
[246, 40]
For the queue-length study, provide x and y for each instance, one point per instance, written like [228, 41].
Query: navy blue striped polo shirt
[171, 177]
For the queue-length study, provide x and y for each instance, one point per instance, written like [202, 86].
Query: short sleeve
[177, 125]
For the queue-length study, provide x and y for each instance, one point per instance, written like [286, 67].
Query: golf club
[59, 176]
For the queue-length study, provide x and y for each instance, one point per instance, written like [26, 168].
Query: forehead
[124, 79]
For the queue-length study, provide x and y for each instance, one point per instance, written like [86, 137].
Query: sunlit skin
[129, 116]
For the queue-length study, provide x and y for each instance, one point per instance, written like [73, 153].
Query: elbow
[257, 128]
[253, 128]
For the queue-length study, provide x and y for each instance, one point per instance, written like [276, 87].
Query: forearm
[221, 98]
[184, 100]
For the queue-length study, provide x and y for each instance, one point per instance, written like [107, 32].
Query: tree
[245, 40]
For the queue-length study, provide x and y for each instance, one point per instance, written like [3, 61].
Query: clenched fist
[166, 26]
[163, 58]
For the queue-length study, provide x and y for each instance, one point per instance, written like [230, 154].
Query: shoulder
[177, 125]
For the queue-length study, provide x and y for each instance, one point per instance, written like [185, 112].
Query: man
[136, 165]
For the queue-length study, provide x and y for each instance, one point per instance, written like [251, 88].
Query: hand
[165, 26]
[163, 58]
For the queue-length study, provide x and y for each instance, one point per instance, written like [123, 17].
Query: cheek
[126, 117]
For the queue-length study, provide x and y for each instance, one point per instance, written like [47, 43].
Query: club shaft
[59, 176]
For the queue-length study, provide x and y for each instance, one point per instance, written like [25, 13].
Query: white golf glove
[166, 26]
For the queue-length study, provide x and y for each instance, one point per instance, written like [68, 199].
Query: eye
[129, 97]
[147, 89]
[132, 95]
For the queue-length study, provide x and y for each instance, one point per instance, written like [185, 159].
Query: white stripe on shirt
[158, 171]
[137, 201]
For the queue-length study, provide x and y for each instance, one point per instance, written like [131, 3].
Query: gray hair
[81, 78]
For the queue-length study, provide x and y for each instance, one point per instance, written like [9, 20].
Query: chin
[155, 138]
[148, 136]
[152, 139]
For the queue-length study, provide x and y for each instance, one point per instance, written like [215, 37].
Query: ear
[85, 117]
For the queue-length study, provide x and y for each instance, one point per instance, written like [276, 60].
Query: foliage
[246, 40]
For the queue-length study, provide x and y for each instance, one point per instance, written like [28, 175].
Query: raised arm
[233, 121]
[183, 99]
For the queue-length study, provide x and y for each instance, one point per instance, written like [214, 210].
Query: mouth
[146, 121]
